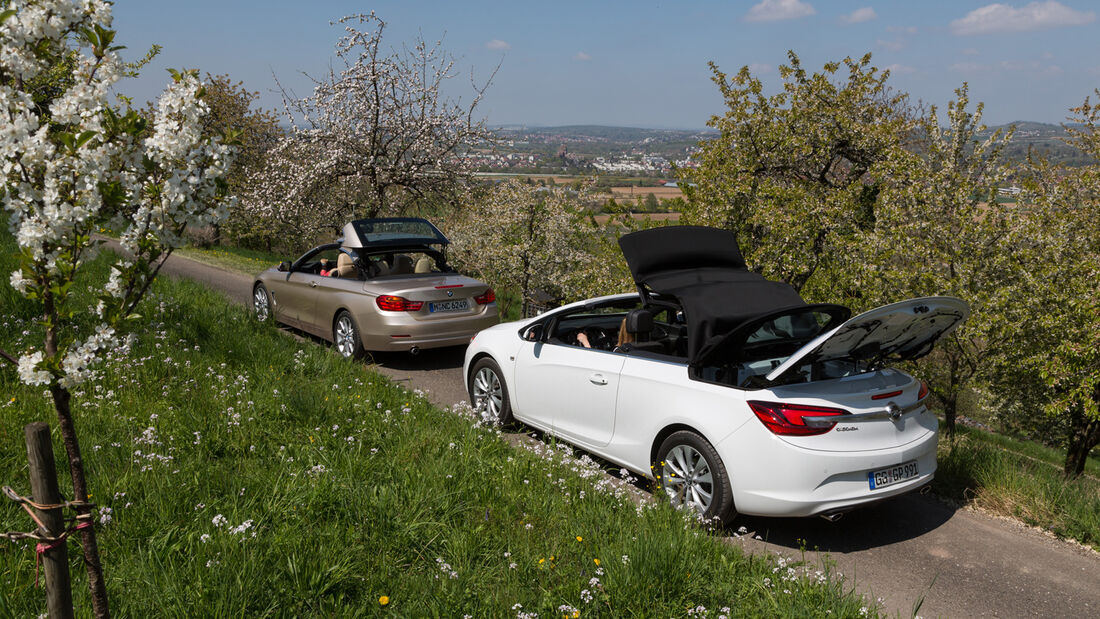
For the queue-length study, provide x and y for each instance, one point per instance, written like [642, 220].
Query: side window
[591, 327]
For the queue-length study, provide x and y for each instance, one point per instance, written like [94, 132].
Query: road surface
[960, 562]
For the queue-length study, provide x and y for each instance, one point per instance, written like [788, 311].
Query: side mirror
[534, 333]
[284, 266]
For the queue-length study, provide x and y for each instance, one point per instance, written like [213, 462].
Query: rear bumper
[396, 332]
[799, 482]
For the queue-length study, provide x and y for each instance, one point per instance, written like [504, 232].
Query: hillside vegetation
[241, 473]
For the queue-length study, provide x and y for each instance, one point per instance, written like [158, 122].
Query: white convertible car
[728, 389]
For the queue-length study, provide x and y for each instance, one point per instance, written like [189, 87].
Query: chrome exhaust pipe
[832, 516]
[414, 351]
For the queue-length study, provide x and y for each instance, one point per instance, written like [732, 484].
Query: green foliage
[796, 174]
[940, 231]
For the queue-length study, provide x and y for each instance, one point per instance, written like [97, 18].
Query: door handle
[597, 379]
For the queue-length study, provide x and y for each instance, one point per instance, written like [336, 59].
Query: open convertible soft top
[704, 270]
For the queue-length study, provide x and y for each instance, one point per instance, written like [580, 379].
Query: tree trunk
[1084, 435]
[96, 583]
[950, 409]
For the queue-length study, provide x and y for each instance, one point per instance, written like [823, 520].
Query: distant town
[657, 153]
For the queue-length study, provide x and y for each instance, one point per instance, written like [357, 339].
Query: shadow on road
[891, 521]
[431, 359]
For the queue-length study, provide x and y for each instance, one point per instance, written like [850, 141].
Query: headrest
[344, 266]
[639, 321]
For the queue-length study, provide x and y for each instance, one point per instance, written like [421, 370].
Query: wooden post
[55, 561]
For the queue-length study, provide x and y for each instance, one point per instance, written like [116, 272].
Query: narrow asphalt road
[958, 562]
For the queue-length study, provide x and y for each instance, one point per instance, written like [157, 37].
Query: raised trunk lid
[895, 332]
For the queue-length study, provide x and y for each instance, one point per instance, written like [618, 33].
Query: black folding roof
[703, 268]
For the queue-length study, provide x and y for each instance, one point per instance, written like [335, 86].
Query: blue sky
[644, 64]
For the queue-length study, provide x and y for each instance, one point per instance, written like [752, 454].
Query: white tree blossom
[376, 137]
[73, 165]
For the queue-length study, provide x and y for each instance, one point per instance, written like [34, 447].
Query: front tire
[691, 475]
[345, 336]
[261, 303]
[487, 389]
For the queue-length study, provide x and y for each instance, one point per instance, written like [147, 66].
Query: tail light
[391, 303]
[486, 297]
[923, 391]
[789, 419]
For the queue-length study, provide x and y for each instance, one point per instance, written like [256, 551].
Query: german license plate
[457, 305]
[888, 477]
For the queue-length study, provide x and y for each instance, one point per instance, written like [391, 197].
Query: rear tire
[345, 336]
[487, 388]
[691, 474]
[261, 303]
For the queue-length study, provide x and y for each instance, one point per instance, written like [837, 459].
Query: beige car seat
[344, 266]
[402, 265]
[424, 265]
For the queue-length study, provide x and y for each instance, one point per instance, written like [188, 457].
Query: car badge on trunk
[450, 293]
[894, 410]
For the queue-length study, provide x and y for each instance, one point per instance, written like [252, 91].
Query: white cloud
[969, 67]
[498, 44]
[892, 45]
[581, 56]
[859, 16]
[759, 68]
[900, 69]
[777, 10]
[995, 18]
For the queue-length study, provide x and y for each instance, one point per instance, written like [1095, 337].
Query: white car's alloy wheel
[488, 391]
[693, 477]
[687, 478]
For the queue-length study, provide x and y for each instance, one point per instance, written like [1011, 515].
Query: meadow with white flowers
[239, 472]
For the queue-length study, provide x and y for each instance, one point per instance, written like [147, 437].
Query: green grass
[1022, 480]
[247, 261]
[248, 474]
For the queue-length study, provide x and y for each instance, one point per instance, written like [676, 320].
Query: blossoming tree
[75, 166]
[378, 137]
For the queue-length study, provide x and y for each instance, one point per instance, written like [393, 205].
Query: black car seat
[639, 323]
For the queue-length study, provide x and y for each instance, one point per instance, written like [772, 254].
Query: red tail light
[923, 391]
[788, 419]
[391, 303]
[486, 297]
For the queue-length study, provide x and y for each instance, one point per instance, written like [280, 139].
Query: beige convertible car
[384, 286]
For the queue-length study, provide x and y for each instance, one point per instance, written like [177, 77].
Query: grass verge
[246, 261]
[241, 473]
[1019, 479]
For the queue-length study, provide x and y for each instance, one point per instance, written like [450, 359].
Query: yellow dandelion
[580, 539]
[541, 561]
[596, 561]
[576, 614]
[311, 438]
[383, 600]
